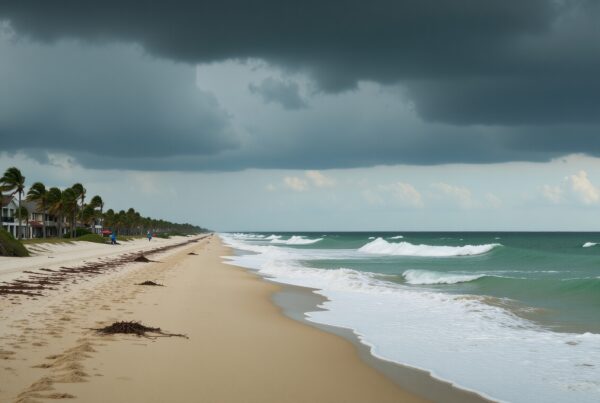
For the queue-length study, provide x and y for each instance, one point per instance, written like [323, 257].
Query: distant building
[32, 225]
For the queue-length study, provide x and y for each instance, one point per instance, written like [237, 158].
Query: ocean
[512, 316]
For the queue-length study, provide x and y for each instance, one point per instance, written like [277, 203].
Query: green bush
[91, 238]
[162, 235]
[9, 246]
[79, 232]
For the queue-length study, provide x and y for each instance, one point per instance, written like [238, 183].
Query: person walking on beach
[113, 238]
[149, 235]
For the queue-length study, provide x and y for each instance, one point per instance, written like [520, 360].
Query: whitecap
[425, 277]
[382, 247]
[296, 240]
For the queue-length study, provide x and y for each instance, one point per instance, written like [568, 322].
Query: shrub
[9, 246]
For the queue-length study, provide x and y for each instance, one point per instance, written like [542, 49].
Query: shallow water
[517, 309]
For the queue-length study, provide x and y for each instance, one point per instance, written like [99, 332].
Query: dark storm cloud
[285, 93]
[494, 81]
[464, 61]
[110, 100]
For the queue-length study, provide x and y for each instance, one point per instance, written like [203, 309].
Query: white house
[32, 224]
[9, 214]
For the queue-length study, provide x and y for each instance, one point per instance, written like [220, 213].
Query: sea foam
[382, 247]
[425, 277]
[433, 330]
[589, 244]
[296, 240]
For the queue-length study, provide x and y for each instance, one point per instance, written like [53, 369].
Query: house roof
[31, 206]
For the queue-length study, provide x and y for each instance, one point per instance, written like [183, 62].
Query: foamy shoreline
[240, 346]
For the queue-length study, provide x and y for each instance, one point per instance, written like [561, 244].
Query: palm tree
[38, 193]
[97, 202]
[14, 181]
[69, 206]
[79, 194]
[88, 215]
[24, 212]
[55, 207]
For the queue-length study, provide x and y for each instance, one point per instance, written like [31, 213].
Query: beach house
[32, 223]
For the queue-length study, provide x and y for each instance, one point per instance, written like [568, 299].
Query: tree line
[69, 208]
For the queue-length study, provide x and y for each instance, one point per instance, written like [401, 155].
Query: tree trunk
[44, 220]
[58, 226]
[20, 226]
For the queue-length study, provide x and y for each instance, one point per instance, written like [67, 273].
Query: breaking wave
[382, 247]
[296, 240]
[589, 244]
[424, 277]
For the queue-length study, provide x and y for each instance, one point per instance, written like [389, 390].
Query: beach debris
[193, 254]
[136, 328]
[142, 258]
[148, 282]
[35, 282]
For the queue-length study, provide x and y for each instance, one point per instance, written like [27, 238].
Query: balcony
[8, 219]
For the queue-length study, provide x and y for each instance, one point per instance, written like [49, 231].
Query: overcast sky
[314, 115]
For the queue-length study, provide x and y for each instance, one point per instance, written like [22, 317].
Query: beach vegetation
[38, 193]
[9, 246]
[65, 213]
[13, 181]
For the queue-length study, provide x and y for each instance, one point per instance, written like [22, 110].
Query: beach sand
[241, 348]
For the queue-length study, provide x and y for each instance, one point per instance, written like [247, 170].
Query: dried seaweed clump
[193, 254]
[136, 328]
[152, 283]
[142, 258]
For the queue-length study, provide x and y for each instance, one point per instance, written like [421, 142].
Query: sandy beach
[240, 347]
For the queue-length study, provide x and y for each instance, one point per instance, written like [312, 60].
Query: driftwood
[147, 282]
[136, 328]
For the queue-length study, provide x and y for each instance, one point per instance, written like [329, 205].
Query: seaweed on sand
[136, 328]
[148, 282]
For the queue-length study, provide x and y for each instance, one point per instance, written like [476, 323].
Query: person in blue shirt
[149, 235]
[113, 238]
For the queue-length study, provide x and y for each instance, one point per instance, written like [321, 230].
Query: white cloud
[552, 193]
[295, 183]
[312, 179]
[583, 189]
[459, 194]
[404, 193]
[318, 179]
[577, 186]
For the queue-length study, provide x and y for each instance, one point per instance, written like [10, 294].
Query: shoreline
[241, 346]
[295, 301]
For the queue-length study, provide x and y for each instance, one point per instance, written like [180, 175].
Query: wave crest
[296, 240]
[424, 277]
[382, 247]
[589, 244]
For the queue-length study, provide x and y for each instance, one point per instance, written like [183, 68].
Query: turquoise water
[481, 310]
[552, 273]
